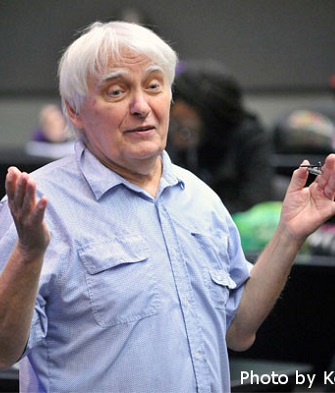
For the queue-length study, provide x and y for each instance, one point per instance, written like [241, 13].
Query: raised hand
[28, 214]
[306, 208]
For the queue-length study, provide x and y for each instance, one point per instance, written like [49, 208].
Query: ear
[74, 116]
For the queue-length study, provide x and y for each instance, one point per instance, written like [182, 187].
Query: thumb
[299, 178]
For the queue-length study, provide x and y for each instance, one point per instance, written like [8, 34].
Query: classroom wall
[282, 51]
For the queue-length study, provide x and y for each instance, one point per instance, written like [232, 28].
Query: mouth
[141, 129]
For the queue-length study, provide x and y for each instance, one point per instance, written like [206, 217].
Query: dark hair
[214, 93]
[211, 90]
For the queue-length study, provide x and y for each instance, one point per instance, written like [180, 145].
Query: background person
[51, 125]
[52, 138]
[217, 138]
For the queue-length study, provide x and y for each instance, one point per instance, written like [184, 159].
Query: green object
[257, 225]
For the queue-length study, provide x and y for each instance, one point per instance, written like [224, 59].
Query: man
[128, 275]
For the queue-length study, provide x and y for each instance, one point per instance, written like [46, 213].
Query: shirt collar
[101, 179]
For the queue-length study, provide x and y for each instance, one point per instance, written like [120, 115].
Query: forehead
[128, 63]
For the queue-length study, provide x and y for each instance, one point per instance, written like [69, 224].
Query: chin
[146, 153]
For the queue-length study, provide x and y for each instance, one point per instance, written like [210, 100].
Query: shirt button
[197, 355]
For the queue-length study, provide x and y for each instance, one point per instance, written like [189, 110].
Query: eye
[115, 91]
[154, 85]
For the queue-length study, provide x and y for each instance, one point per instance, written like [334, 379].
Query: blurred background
[282, 52]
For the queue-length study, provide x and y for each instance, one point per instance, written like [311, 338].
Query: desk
[301, 327]
[9, 380]
[32, 157]
[22, 160]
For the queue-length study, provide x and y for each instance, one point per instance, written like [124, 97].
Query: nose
[139, 105]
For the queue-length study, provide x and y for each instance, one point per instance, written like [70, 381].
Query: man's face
[124, 117]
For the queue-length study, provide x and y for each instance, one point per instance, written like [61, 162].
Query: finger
[299, 178]
[11, 179]
[20, 189]
[29, 197]
[326, 181]
[39, 211]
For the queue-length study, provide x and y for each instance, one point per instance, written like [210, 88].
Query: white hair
[101, 43]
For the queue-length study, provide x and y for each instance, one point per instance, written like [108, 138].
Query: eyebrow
[119, 72]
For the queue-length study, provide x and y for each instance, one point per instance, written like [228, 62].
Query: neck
[146, 177]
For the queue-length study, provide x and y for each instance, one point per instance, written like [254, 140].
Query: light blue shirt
[136, 293]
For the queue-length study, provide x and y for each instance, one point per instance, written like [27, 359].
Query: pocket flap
[98, 257]
[221, 277]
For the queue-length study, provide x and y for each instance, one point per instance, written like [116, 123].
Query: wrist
[288, 239]
[30, 254]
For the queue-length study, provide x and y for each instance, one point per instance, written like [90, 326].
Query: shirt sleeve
[39, 326]
[239, 271]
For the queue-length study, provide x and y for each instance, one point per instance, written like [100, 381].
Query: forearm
[18, 289]
[304, 210]
[267, 279]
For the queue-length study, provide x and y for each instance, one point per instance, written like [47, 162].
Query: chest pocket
[215, 267]
[219, 285]
[120, 280]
